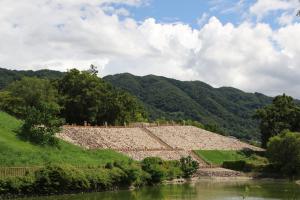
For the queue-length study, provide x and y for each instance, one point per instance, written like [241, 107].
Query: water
[204, 190]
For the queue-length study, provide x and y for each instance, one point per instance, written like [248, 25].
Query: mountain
[229, 108]
[7, 76]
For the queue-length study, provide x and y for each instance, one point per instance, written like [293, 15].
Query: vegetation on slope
[283, 114]
[9, 76]
[15, 152]
[79, 97]
[284, 152]
[230, 109]
[217, 157]
[226, 109]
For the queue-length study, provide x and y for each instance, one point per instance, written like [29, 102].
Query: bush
[188, 166]
[154, 166]
[240, 165]
[99, 179]
[56, 179]
[135, 175]
[173, 169]
[17, 186]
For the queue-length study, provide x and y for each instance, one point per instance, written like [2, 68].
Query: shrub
[154, 166]
[135, 175]
[17, 185]
[241, 165]
[55, 179]
[188, 166]
[173, 169]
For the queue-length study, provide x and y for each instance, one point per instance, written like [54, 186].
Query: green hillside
[15, 152]
[229, 108]
[8, 76]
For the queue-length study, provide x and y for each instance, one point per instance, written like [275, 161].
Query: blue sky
[248, 44]
[187, 11]
[190, 11]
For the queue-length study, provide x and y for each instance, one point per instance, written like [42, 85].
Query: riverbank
[65, 179]
[114, 179]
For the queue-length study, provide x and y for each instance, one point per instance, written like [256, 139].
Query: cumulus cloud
[62, 34]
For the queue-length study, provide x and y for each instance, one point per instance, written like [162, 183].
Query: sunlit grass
[15, 152]
[219, 156]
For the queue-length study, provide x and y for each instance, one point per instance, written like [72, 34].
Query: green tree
[41, 124]
[154, 166]
[27, 92]
[284, 151]
[36, 101]
[282, 114]
[86, 97]
[188, 166]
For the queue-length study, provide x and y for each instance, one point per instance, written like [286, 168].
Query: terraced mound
[193, 138]
[167, 142]
[122, 139]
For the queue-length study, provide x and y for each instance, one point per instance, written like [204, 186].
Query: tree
[284, 151]
[282, 114]
[86, 97]
[154, 166]
[27, 92]
[93, 70]
[41, 124]
[36, 101]
[188, 166]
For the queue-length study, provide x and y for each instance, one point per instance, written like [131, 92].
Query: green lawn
[218, 157]
[14, 152]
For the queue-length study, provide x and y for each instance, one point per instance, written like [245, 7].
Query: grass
[217, 157]
[15, 152]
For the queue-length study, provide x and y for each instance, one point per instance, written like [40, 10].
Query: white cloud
[61, 34]
[263, 8]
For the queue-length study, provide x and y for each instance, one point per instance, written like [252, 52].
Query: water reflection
[204, 190]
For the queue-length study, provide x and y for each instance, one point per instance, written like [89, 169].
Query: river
[203, 190]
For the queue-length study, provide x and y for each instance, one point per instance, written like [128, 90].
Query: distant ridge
[229, 108]
[7, 76]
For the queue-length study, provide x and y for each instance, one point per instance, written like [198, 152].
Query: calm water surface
[204, 190]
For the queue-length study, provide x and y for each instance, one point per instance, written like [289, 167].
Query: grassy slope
[218, 157]
[14, 152]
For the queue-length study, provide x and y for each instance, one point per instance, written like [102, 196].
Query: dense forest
[228, 108]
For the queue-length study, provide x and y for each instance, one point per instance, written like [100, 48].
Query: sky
[253, 45]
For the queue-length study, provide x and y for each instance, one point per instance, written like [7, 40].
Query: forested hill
[8, 76]
[229, 108]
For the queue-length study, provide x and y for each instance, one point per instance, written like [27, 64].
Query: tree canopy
[78, 97]
[230, 109]
[284, 152]
[28, 92]
[282, 114]
[36, 101]
[86, 97]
